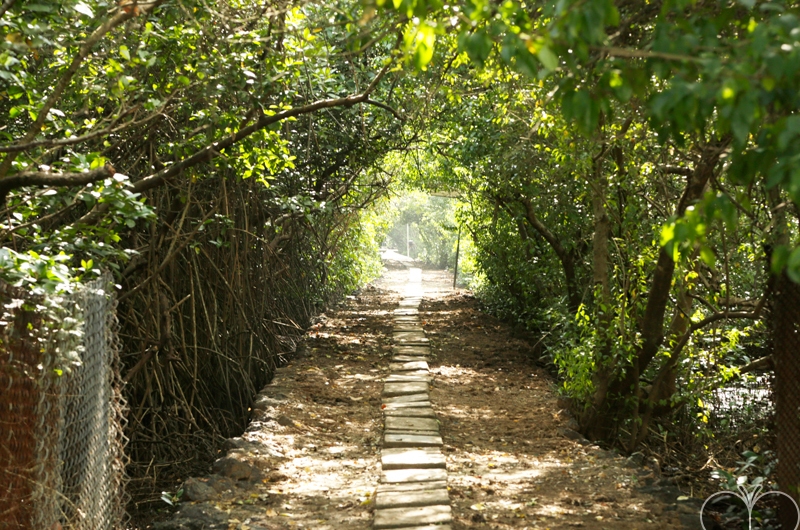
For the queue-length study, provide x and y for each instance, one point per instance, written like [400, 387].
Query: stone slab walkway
[412, 494]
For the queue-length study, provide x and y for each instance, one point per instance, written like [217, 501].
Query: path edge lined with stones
[412, 493]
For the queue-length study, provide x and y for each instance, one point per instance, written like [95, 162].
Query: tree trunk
[663, 387]
[601, 282]
[600, 256]
[566, 257]
[612, 403]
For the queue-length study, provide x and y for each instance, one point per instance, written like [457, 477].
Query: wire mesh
[19, 406]
[741, 404]
[786, 356]
[61, 442]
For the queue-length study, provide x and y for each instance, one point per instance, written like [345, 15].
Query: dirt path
[310, 458]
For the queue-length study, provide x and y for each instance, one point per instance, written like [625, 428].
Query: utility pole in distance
[458, 247]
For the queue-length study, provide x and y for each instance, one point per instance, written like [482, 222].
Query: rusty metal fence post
[61, 440]
[786, 355]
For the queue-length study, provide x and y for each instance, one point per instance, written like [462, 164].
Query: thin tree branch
[754, 315]
[6, 6]
[678, 170]
[386, 107]
[629, 53]
[38, 221]
[122, 15]
[214, 149]
[764, 363]
[46, 178]
[86, 137]
[177, 249]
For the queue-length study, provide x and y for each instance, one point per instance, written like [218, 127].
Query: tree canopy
[627, 171]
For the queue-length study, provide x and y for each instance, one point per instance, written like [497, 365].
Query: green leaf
[585, 110]
[41, 8]
[547, 57]
[791, 129]
[421, 41]
[124, 53]
[83, 9]
[793, 265]
[667, 234]
[182, 79]
[707, 256]
[478, 46]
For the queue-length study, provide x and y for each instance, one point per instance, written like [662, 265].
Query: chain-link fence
[786, 356]
[61, 441]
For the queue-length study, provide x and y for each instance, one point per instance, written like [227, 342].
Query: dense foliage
[629, 178]
[221, 159]
[627, 172]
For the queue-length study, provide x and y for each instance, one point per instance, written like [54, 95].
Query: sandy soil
[513, 460]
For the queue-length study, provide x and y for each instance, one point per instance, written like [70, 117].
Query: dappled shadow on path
[312, 448]
[513, 457]
[312, 444]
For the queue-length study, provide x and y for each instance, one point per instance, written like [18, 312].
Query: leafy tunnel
[624, 173]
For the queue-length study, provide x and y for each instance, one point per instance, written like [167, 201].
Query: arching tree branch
[213, 150]
[46, 178]
[121, 15]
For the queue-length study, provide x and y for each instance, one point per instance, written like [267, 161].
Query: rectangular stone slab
[394, 476]
[410, 499]
[410, 301]
[429, 527]
[409, 358]
[410, 365]
[406, 451]
[412, 458]
[413, 372]
[424, 342]
[413, 486]
[411, 412]
[401, 378]
[388, 432]
[407, 327]
[398, 423]
[411, 440]
[406, 311]
[407, 399]
[409, 335]
[398, 405]
[404, 389]
[405, 517]
[402, 349]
